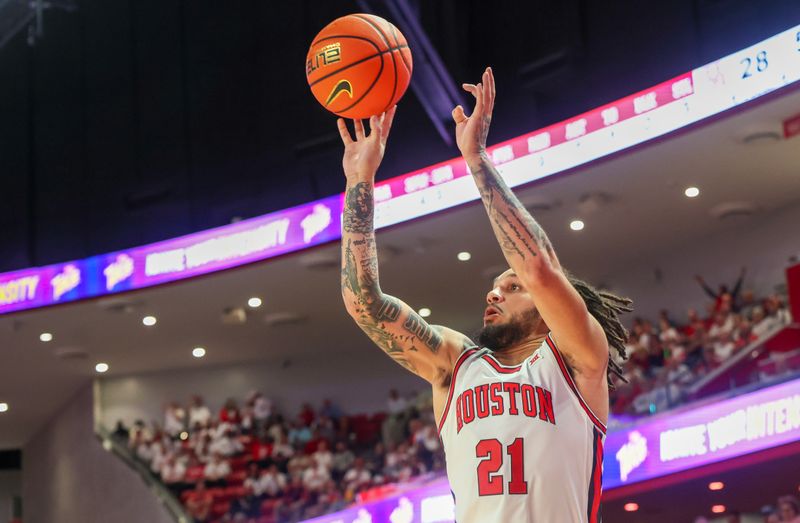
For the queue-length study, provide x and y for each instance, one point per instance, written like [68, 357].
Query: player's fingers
[488, 91]
[359, 126]
[492, 88]
[344, 132]
[458, 115]
[375, 124]
[470, 88]
[478, 99]
[388, 118]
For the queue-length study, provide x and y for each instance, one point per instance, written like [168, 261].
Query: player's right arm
[426, 350]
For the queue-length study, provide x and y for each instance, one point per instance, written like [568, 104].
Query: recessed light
[198, 352]
[149, 320]
[576, 225]
[45, 337]
[692, 192]
[718, 509]
[184, 436]
[3, 407]
[464, 256]
[101, 367]
[424, 312]
[631, 507]
[716, 485]
[254, 302]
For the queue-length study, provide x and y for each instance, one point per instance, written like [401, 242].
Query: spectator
[342, 460]
[198, 504]
[762, 324]
[174, 419]
[227, 444]
[306, 415]
[299, 433]
[254, 482]
[717, 296]
[261, 450]
[121, 432]
[216, 470]
[396, 404]
[323, 455]
[330, 410]
[262, 409]
[315, 476]
[357, 477]
[273, 482]
[199, 414]
[229, 413]
[172, 471]
[789, 509]
[282, 452]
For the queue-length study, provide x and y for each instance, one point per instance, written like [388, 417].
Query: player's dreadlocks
[605, 307]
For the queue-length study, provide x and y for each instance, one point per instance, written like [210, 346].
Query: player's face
[510, 315]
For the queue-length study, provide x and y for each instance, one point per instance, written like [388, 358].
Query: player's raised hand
[472, 130]
[363, 155]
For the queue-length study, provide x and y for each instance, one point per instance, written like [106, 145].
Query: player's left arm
[527, 248]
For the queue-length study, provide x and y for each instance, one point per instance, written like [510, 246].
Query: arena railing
[164, 496]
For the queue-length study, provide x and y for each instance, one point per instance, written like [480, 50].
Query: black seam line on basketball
[394, 60]
[318, 80]
[402, 56]
[366, 92]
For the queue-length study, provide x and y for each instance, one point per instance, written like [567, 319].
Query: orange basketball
[358, 66]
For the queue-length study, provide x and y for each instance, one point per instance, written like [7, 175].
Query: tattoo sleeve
[522, 240]
[394, 326]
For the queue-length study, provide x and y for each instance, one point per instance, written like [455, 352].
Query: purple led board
[709, 434]
[432, 503]
[684, 100]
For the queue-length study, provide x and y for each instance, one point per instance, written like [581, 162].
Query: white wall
[356, 384]
[67, 477]
[764, 244]
[10, 486]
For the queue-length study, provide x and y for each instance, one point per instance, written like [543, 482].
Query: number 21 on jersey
[490, 483]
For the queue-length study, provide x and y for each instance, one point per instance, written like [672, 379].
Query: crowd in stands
[252, 464]
[664, 359]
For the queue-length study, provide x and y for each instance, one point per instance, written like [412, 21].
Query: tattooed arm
[525, 245]
[426, 350]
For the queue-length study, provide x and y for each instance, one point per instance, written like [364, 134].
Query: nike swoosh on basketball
[342, 86]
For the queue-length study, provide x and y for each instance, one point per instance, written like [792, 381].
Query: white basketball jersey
[521, 443]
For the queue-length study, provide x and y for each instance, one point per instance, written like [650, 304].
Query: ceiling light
[576, 225]
[254, 302]
[631, 507]
[3, 407]
[718, 509]
[716, 485]
[464, 256]
[424, 312]
[45, 337]
[691, 192]
[198, 352]
[101, 367]
[149, 320]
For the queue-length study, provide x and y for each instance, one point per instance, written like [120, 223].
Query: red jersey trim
[461, 359]
[499, 367]
[571, 383]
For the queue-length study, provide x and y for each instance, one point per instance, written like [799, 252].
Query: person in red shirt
[261, 450]
[230, 412]
[198, 505]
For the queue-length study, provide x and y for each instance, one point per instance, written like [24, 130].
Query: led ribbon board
[671, 105]
[709, 434]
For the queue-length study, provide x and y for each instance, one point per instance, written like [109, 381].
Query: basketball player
[522, 415]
